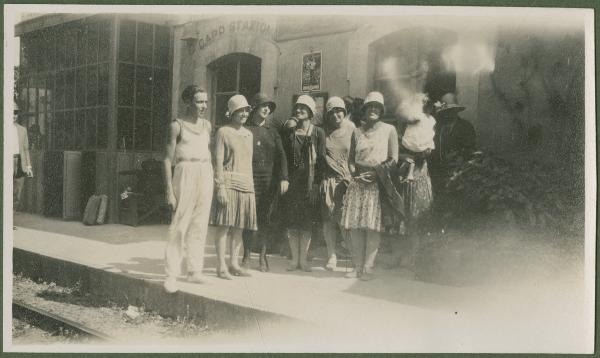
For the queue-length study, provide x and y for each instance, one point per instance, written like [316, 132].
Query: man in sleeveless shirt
[189, 188]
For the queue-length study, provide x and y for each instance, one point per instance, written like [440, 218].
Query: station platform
[319, 311]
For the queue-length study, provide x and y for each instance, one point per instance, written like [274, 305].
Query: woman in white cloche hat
[234, 207]
[374, 143]
[336, 176]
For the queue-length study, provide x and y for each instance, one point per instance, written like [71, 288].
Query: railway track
[52, 322]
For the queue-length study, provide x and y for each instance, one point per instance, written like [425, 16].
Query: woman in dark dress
[270, 172]
[304, 144]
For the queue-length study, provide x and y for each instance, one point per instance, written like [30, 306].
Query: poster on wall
[311, 71]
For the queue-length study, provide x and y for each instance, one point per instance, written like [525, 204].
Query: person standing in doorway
[373, 144]
[189, 188]
[454, 136]
[21, 159]
[270, 174]
[338, 130]
[234, 209]
[304, 144]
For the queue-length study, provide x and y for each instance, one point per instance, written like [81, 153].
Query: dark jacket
[456, 138]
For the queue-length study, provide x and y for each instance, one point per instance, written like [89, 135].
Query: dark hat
[448, 102]
[260, 99]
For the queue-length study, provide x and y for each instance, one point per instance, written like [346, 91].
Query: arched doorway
[232, 74]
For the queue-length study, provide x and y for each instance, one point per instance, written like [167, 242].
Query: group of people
[352, 176]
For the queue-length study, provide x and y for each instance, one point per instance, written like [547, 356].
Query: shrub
[487, 186]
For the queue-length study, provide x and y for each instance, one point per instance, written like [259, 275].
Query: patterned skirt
[239, 211]
[362, 208]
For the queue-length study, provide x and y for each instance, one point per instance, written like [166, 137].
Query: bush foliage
[528, 195]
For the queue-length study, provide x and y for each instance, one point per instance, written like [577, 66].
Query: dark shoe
[263, 265]
[245, 261]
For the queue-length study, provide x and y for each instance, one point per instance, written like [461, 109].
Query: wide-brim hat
[309, 102]
[261, 99]
[448, 102]
[374, 98]
[236, 103]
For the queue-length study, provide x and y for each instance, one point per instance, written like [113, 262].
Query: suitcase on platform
[102, 210]
[90, 214]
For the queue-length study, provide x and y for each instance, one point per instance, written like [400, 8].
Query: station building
[99, 90]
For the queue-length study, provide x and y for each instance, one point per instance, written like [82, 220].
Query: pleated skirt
[239, 211]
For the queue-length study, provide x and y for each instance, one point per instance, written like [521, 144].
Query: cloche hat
[235, 103]
[260, 99]
[309, 102]
[374, 97]
[335, 102]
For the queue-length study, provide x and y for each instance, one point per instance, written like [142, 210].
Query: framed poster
[311, 72]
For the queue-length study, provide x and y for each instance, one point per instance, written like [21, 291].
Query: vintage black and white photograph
[299, 179]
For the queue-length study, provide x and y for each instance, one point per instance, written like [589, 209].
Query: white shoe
[331, 263]
[171, 284]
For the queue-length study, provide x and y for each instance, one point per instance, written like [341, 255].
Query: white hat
[335, 102]
[374, 97]
[309, 102]
[235, 103]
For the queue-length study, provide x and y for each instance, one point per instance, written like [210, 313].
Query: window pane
[26, 55]
[60, 90]
[92, 85]
[50, 57]
[103, 84]
[249, 76]
[58, 131]
[46, 130]
[81, 44]
[125, 128]
[105, 29]
[160, 121]
[101, 128]
[69, 130]
[79, 129]
[60, 47]
[162, 43]
[127, 41]
[143, 129]
[143, 87]
[92, 43]
[23, 92]
[71, 47]
[227, 76]
[90, 128]
[70, 89]
[144, 44]
[125, 93]
[34, 83]
[80, 87]
[162, 89]
[220, 109]
[35, 131]
[49, 93]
